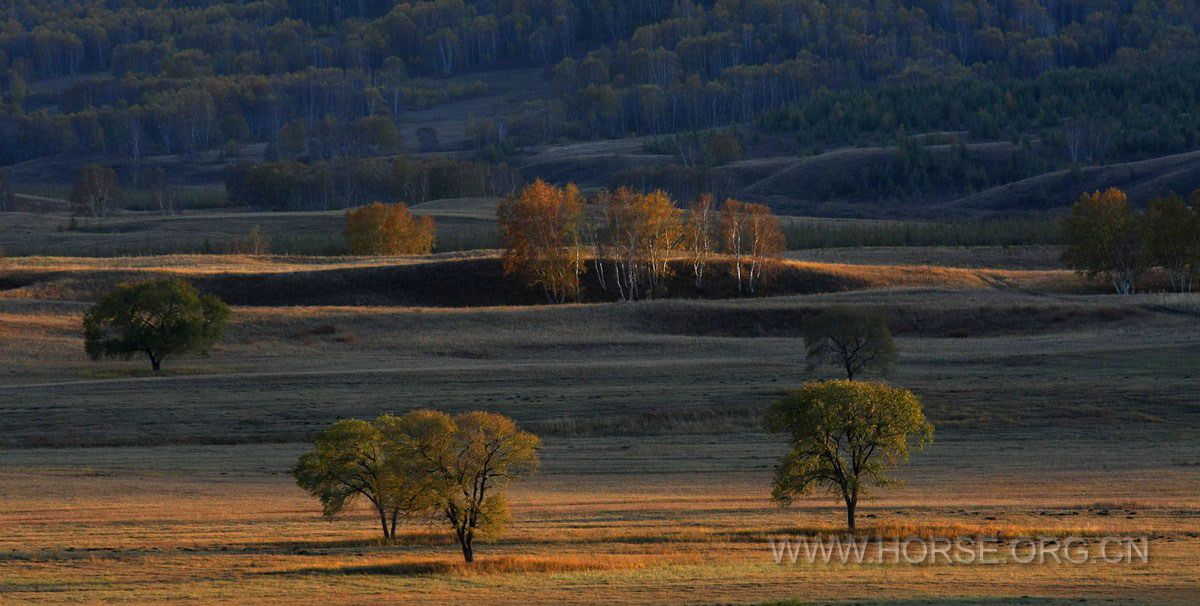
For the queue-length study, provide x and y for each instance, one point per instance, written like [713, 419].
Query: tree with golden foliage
[540, 230]
[423, 463]
[388, 229]
[644, 231]
[753, 236]
[467, 461]
[1103, 237]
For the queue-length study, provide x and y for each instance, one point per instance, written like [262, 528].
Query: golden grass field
[1058, 412]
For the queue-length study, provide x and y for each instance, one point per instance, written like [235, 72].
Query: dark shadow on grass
[977, 601]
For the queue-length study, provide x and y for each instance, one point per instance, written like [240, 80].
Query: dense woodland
[1073, 82]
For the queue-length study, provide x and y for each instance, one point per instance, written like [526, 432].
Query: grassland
[1059, 411]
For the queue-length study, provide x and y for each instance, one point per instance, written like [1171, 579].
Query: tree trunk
[464, 539]
[155, 363]
[384, 523]
[850, 506]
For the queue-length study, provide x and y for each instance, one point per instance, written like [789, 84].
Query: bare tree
[699, 237]
[850, 338]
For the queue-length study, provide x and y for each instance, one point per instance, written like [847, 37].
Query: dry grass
[471, 279]
[1057, 414]
[602, 523]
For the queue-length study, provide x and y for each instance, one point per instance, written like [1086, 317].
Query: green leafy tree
[159, 319]
[845, 438]
[1172, 239]
[1103, 237]
[469, 460]
[851, 339]
[355, 459]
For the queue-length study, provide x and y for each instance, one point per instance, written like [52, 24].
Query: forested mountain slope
[1065, 84]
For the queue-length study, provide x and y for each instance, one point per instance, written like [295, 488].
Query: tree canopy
[845, 438]
[355, 459]
[1103, 237]
[452, 469]
[388, 229]
[158, 319]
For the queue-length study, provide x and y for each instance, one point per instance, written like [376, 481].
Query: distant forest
[1075, 82]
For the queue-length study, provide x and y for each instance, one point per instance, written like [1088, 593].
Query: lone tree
[355, 459]
[95, 191]
[1103, 237]
[159, 319]
[845, 437]
[850, 338]
[388, 229]
[469, 460]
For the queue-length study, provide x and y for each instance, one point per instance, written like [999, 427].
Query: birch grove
[632, 242]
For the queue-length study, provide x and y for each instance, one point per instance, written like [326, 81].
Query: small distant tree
[469, 460]
[159, 319]
[355, 459]
[541, 232]
[388, 229]
[253, 243]
[845, 438]
[427, 139]
[724, 147]
[1103, 237]
[851, 339]
[161, 192]
[1172, 239]
[95, 191]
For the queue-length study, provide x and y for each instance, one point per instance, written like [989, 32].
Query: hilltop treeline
[349, 182]
[171, 77]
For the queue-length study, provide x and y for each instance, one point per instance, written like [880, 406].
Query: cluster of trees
[551, 235]
[1082, 116]
[423, 464]
[1106, 237]
[158, 319]
[322, 78]
[347, 182]
[388, 230]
